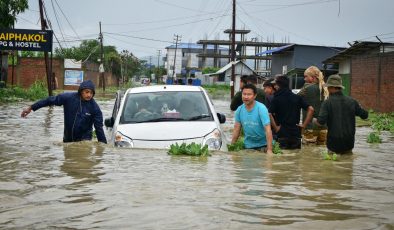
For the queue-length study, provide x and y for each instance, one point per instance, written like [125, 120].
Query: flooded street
[45, 184]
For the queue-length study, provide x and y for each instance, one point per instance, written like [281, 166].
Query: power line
[66, 18]
[175, 25]
[57, 20]
[141, 38]
[112, 37]
[158, 21]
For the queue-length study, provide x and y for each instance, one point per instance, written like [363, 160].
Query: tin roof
[356, 49]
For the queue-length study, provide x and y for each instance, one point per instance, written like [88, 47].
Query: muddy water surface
[47, 184]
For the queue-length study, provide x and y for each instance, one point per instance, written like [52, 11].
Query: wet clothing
[312, 95]
[236, 101]
[286, 107]
[339, 113]
[79, 115]
[253, 123]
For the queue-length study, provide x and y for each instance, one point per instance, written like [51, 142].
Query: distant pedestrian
[314, 93]
[81, 112]
[269, 90]
[339, 113]
[286, 108]
[252, 116]
[237, 99]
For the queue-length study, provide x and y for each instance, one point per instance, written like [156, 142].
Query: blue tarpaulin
[277, 49]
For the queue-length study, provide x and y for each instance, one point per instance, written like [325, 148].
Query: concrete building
[186, 60]
[367, 71]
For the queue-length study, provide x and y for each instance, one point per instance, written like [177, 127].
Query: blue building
[293, 59]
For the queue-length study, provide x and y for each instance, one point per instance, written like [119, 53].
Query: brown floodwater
[45, 184]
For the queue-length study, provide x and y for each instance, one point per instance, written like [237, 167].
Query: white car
[161, 115]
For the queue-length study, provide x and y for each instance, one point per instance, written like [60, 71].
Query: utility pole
[158, 65]
[48, 70]
[101, 68]
[233, 53]
[150, 68]
[177, 39]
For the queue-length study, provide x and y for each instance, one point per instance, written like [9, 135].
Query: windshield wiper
[198, 117]
[164, 119]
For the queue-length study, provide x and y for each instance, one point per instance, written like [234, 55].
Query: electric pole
[150, 68]
[158, 64]
[101, 68]
[48, 70]
[233, 53]
[177, 39]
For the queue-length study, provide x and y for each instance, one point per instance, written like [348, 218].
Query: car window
[119, 96]
[165, 106]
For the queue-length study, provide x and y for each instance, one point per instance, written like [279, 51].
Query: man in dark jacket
[339, 113]
[237, 99]
[81, 112]
[286, 108]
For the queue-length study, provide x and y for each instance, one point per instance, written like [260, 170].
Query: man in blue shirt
[253, 117]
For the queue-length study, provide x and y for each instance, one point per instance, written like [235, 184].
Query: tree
[8, 11]
[208, 70]
[113, 61]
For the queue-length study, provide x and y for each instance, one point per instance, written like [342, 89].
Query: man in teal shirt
[253, 117]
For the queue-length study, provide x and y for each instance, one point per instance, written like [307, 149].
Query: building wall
[279, 60]
[305, 56]
[372, 81]
[29, 70]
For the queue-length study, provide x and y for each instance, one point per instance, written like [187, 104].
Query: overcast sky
[146, 26]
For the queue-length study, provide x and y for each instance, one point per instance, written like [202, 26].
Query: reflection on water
[47, 184]
[81, 162]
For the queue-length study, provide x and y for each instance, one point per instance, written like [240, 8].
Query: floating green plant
[374, 137]
[192, 149]
[328, 156]
[237, 146]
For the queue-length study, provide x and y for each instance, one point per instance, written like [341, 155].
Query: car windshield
[165, 106]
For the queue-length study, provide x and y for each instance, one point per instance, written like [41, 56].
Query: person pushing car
[81, 112]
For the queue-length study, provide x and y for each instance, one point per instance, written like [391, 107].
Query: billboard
[29, 40]
[73, 77]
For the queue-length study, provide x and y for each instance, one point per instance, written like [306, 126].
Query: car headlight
[213, 140]
[123, 141]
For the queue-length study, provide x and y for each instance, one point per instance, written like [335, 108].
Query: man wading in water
[81, 112]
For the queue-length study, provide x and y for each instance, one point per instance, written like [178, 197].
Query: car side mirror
[109, 122]
[221, 117]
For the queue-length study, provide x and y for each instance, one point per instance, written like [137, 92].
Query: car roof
[162, 88]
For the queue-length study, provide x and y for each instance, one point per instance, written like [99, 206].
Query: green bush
[36, 91]
[383, 122]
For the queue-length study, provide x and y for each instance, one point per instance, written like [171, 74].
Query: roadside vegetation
[378, 122]
[36, 91]
[217, 89]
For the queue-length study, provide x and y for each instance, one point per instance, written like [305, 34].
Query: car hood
[163, 131]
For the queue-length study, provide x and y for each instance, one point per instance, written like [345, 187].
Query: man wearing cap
[339, 113]
[286, 108]
[81, 112]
